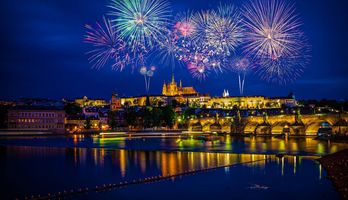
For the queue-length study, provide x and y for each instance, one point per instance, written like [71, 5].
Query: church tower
[164, 88]
[115, 102]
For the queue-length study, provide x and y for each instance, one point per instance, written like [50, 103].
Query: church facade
[172, 89]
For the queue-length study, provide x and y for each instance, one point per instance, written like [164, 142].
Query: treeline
[343, 104]
[143, 117]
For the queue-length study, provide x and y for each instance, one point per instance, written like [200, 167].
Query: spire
[164, 88]
[180, 84]
[173, 80]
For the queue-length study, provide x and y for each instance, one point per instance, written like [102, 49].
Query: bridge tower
[298, 126]
[237, 126]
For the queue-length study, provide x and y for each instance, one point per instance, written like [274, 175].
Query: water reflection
[90, 166]
[228, 144]
[263, 145]
[171, 163]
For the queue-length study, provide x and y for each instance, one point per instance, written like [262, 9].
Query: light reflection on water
[87, 167]
[228, 144]
[260, 145]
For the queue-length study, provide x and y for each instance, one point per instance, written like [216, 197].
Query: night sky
[42, 53]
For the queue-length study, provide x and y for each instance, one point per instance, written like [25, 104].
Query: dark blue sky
[42, 53]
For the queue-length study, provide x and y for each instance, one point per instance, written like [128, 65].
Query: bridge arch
[263, 129]
[197, 126]
[313, 127]
[281, 127]
[226, 127]
[250, 128]
[206, 126]
[216, 127]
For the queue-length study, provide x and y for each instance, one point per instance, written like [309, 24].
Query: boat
[113, 134]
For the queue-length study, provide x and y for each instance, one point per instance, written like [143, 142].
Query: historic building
[86, 102]
[158, 100]
[250, 102]
[172, 89]
[36, 119]
[115, 103]
[189, 96]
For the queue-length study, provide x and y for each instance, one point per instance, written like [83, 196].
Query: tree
[175, 103]
[88, 123]
[112, 120]
[131, 116]
[168, 116]
[189, 112]
[72, 109]
[147, 117]
[156, 117]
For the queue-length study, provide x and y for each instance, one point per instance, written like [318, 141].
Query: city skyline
[46, 57]
[174, 99]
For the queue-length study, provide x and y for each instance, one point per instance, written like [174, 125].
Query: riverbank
[336, 166]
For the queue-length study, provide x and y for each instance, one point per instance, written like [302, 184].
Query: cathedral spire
[164, 88]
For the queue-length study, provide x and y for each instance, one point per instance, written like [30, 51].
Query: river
[244, 167]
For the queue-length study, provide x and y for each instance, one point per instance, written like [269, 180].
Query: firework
[201, 21]
[274, 37]
[148, 74]
[140, 21]
[168, 50]
[198, 70]
[224, 31]
[184, 24]
[175, 44]
[108, 46]
[272, 29]
[285, 69]
[241, 66]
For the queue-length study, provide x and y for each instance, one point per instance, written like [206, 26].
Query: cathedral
[172, 89]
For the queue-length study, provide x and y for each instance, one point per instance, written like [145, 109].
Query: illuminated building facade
[250, 102]
[76, 123]
[115, 103]
[141, 101]
[189, 96]
[172, 89]
[205, 101]
[36, 119]
[85, 102]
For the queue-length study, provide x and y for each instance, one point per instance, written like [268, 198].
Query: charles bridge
[293, 124]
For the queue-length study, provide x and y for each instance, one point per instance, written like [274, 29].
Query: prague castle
[189, 96]
[172, 89]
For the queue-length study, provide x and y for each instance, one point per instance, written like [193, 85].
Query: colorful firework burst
[108, 46]
[175, 44]
[198, 70]
[272, 29]
[241, 65]
[224, 31]
[274, 37]
[201, 21]
[139, 21]
[284, 69]
[184, 24]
